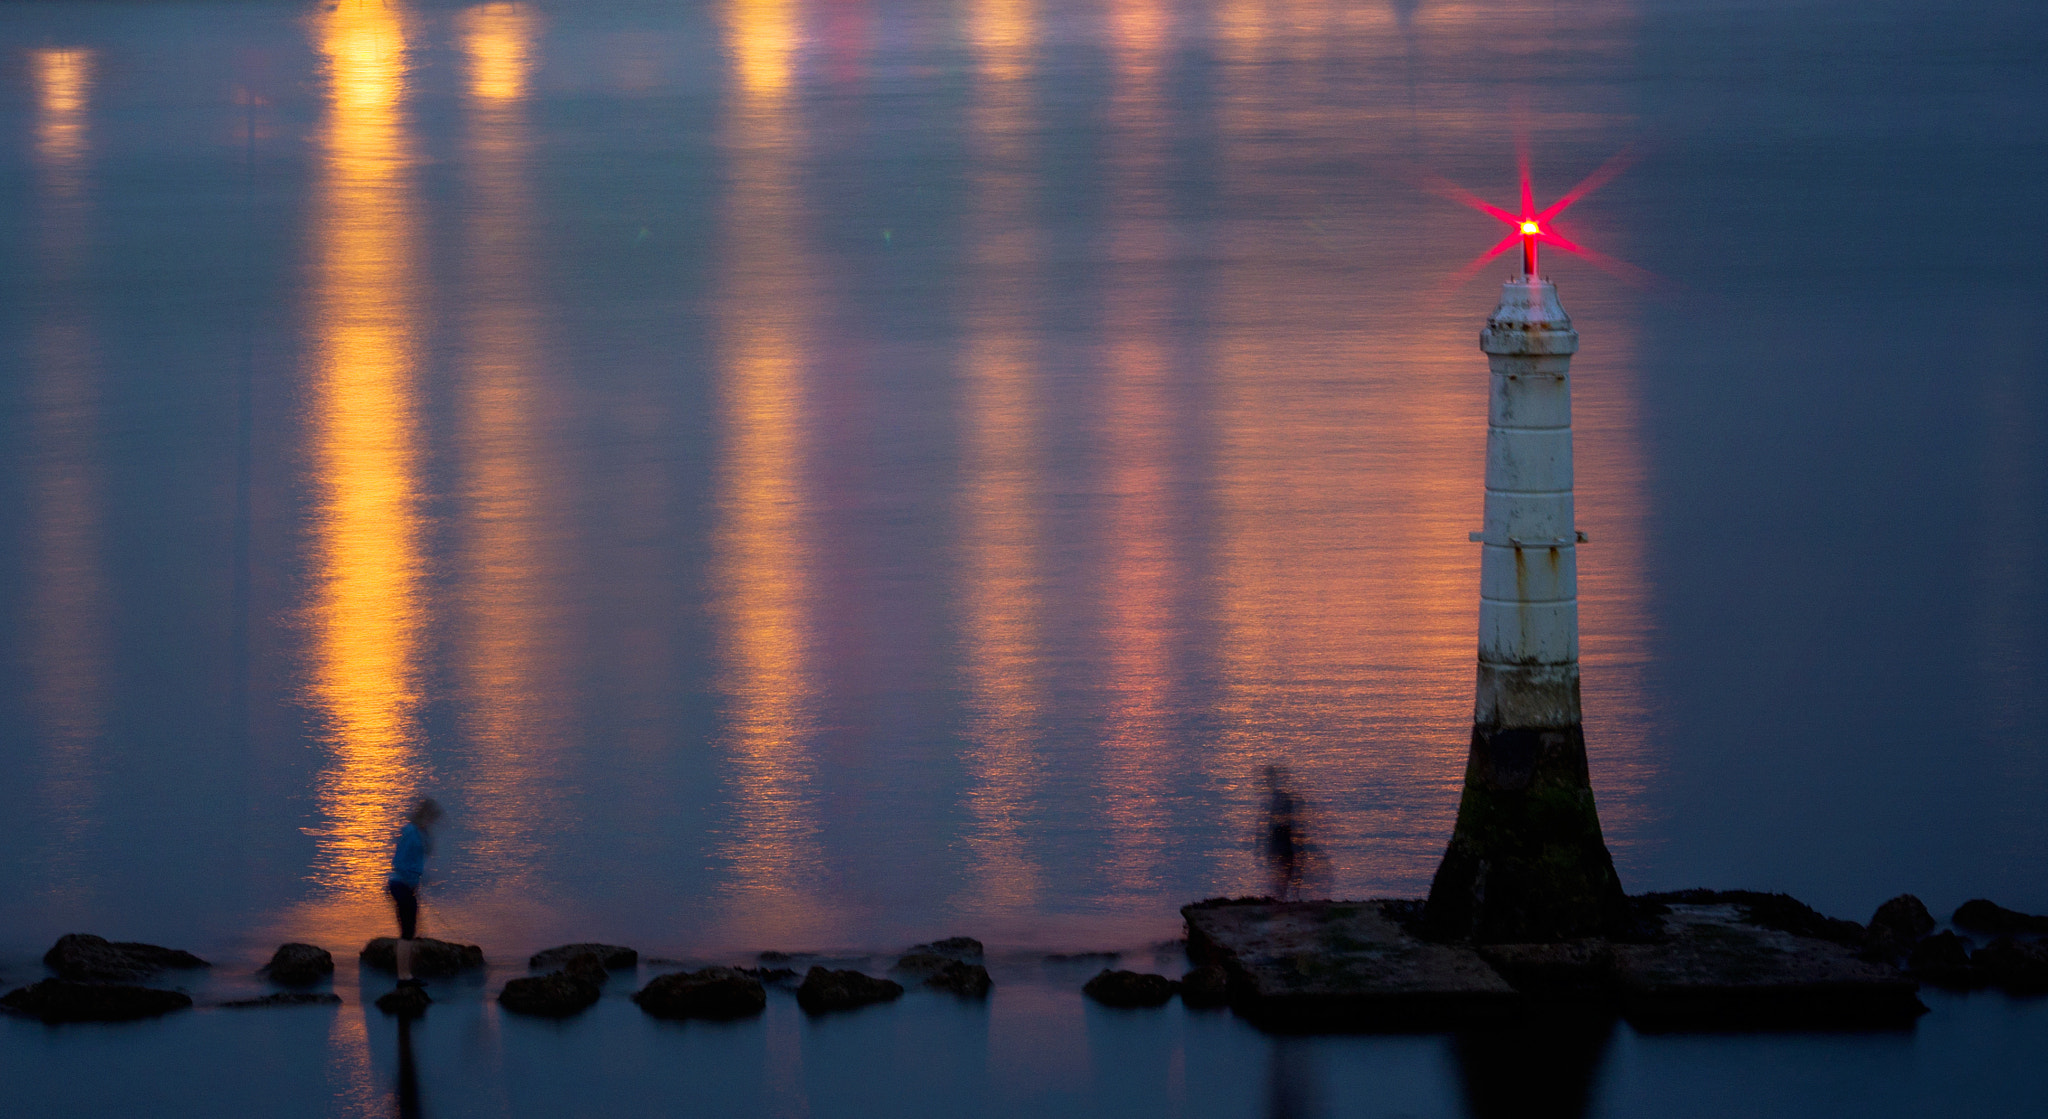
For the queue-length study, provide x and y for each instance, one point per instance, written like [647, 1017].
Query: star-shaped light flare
[1532, 227]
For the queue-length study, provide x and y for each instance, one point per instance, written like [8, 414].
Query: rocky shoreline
[1695, 959]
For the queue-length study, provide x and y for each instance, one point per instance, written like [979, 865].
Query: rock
[1905, 915]
[715, 992]
[1896, 926]
[773, 957]
[612, 956]
[286, 998]
[1771, 911]
[430, 957]
[961, 978]
[1984, 916]
[966, 949]
[825, 990]
[1206, 986]
[67, 1000]
[1082, 957]
[1342, 965]
[299, 965]
[1128, 988]
[83, 956]
[1943, 960]
[1717, 967]
[770, 974]
[2019, 966]
[588, 966]
[557, 994]
[405, 1002]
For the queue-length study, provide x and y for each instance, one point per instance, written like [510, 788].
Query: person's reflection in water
[1540, 1069]
[408, 1073]
[1292, 1087]
[1285, 842]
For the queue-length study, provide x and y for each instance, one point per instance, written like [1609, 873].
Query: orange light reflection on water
[762, 537]
[1145, 570]
[366, 607]
[1002, 523]
[514, 697]
[69, 615]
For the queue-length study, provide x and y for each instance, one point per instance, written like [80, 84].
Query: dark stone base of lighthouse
[1527, 862]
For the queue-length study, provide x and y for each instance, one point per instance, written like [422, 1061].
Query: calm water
[822, 473]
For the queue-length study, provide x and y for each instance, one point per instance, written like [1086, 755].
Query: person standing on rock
[408, 866]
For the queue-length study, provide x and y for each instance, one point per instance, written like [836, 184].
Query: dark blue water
[832, 474]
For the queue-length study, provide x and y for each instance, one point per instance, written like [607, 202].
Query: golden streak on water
[1146, 570]
[1001, 520]
[68, 615]
[762, 537]
[513, 693]
[366, 607]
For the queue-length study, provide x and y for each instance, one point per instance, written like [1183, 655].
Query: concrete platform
[1710, 965]
[1342, 965]
[1718, 969]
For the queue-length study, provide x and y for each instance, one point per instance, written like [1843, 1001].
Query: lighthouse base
[1527, 861]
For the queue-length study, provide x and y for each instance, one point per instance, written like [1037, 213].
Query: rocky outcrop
[285, 998]
[1988, 917]
[611, 956]
[717, 993]
[2018, 966]
[825, 990]
[84, 957]
[963, 948]
[68, 1000]
[1128, 988]
[430, 957]
[1206, 986]
[967, 980]
[557, 994]
[299, 965]
[405, 1002]
[1895, 928]
[1943, 960]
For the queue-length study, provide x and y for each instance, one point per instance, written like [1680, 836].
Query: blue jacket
[409, 861]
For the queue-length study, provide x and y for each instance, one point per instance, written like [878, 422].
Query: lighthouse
[1526, 861]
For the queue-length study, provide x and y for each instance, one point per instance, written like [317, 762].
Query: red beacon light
[1532, 226]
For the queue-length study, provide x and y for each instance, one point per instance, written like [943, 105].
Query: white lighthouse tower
[1527, 861]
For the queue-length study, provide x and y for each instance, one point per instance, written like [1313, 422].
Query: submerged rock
[405, 1002]
[557, 994]
[67, 1000]
[612, 956]
[714, 992]
[83, 956]
[1206, 986]
[825, 990]
[964, 979]
[2019, 966]
[299, 965]
[286, 998]
[1896, 926]
[1943, 960]
[1984, 916]
[430, 957]
[1128, 988]
[963, 948]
